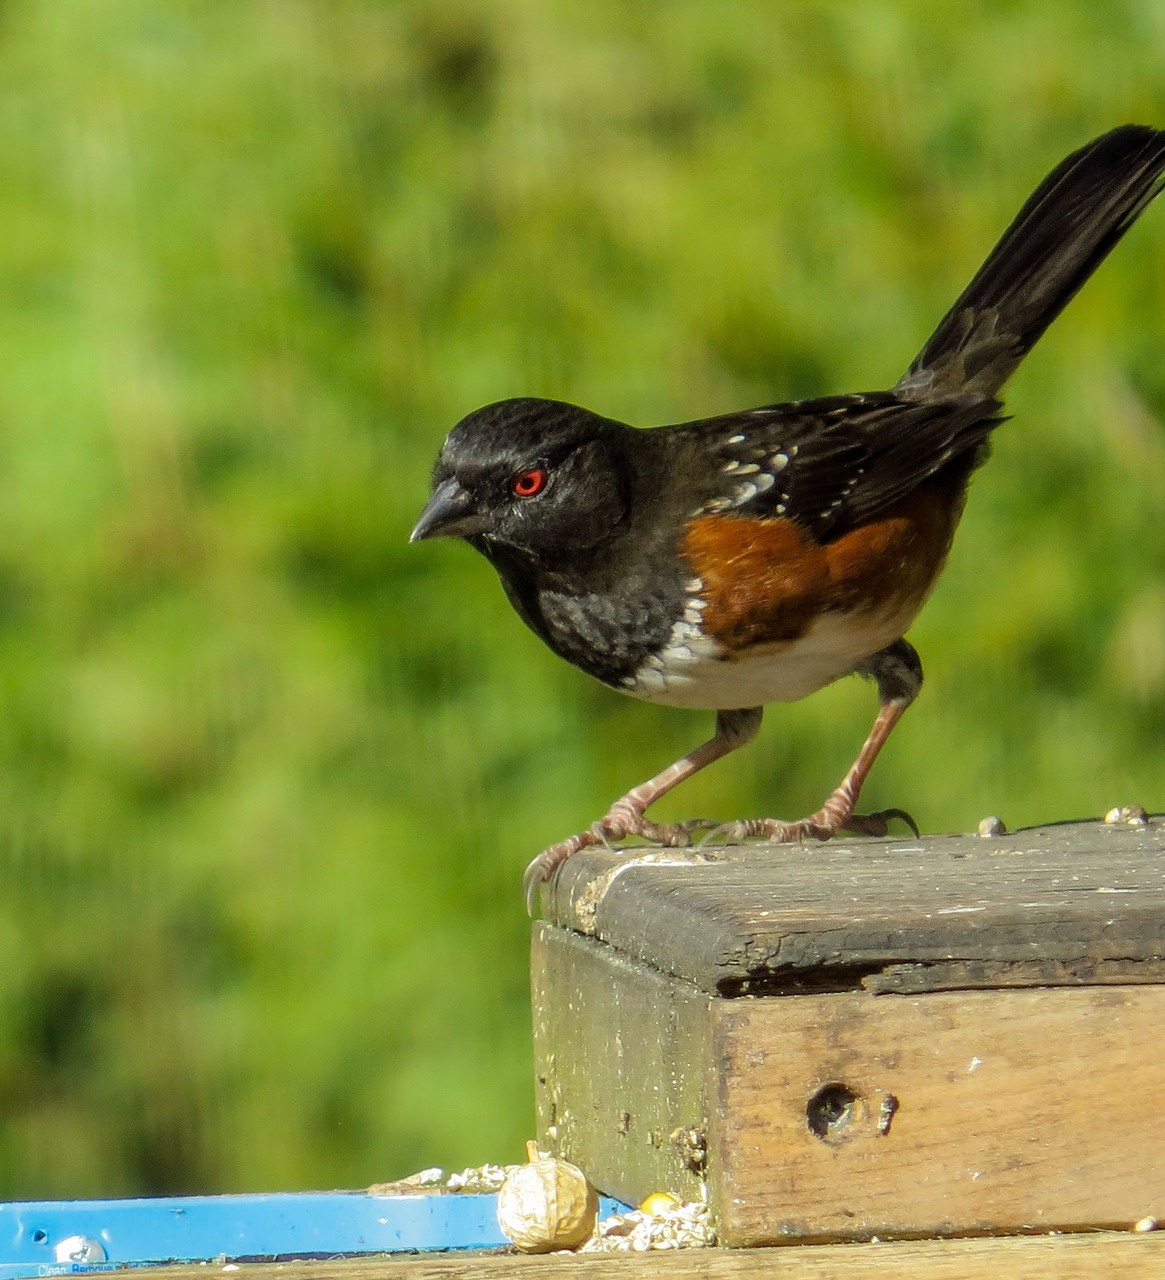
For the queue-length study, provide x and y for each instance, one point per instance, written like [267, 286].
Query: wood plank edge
[1068, 1257]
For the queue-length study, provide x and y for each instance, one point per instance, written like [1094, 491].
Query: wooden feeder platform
[910, 1059]
[872, 1039]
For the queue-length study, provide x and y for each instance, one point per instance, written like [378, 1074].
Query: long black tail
[1058, 239]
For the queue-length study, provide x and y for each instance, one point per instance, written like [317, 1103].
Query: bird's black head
[532, 481]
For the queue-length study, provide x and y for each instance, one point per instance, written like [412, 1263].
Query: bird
[758, 556]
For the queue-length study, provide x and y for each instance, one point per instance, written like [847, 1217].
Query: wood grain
[1080, 1257]
[1051, 905]
[972, 1112]
[622, 1060]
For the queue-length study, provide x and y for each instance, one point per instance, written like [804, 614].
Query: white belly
[691, 671]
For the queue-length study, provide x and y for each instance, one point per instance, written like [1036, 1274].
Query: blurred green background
[269, 776]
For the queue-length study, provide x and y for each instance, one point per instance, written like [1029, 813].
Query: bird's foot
[827, 822]
[623, 819]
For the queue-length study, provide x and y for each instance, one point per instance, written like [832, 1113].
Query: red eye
[527, 483]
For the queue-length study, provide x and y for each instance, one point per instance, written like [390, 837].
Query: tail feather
[1061, 235]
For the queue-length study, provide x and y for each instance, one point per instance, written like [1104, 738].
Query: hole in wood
[830, 1110]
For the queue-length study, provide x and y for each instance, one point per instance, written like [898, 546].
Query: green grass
[269, 776]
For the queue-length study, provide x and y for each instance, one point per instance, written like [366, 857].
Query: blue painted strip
[37, 1237]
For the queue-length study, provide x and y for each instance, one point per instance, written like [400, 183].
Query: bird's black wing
[835, 463]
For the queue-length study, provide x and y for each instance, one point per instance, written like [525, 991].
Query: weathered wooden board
[853, 1114]
[1077, 903]
[622, 1061]
[1079, 1257]
[848, 1114]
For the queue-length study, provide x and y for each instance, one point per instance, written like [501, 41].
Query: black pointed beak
[449, 513]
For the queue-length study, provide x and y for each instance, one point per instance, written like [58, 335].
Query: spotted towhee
[759, 556]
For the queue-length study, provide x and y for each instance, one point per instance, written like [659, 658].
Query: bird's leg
[625, 816]
[898, 673]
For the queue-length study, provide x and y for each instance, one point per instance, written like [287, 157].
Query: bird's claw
[823, 825]
[878, 824]
[621, 821]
